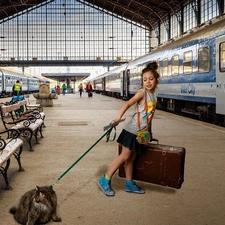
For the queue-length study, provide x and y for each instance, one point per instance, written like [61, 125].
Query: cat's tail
[12, 210]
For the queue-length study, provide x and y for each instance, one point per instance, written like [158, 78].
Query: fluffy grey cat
[37, 206]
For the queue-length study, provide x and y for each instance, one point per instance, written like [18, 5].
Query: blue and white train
[192, 70]
[8, 78]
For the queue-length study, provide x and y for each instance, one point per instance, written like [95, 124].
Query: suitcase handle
[156, 140]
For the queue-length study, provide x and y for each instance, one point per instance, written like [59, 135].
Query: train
[192, 70]
[8, 79]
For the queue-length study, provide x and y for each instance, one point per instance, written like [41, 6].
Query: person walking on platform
[80, 88]
[17, 88]
[89, 89]
[145, 101]
[64, 88]
[58, 90]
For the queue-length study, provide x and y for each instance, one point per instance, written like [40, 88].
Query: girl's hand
[117, 121]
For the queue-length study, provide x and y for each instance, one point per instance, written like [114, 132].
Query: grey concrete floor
[74, 124]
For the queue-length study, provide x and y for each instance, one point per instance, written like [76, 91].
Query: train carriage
[33, 85]
[114, 81]
[99, 84]
[192, 70]
[8, 79]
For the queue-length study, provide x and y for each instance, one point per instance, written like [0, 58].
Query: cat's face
[44, 192]
[41, 193]
[39, 197]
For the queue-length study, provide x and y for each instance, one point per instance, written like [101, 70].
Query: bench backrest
[11, 110]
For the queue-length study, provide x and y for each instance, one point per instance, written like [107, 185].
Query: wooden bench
[10, 145]
[34, 108]
[28, 125]
[30, 108]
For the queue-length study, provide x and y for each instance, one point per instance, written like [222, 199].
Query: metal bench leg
[35, 135]
[17, 156]
[40, 130]
[28, 134]
[44, 121]
[4, 174]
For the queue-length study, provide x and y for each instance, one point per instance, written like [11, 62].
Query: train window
[187, 62]
[8, 80]
[203, 59]
[165, 67]
[175, 65]
[222, 57]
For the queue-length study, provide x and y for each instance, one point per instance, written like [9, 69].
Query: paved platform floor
[74, 124]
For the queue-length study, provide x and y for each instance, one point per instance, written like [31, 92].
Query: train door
[24, 83]
[103, 84]
[1, 82]
[121, 83]
[124, 83]
[9, 82]
[220, 75]
[94, 85]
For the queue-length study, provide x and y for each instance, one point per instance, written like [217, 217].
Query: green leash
[107, 134]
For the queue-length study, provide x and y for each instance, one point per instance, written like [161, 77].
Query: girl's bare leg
[129, 165]
[105, 181]
[130, 184]
[118, 161]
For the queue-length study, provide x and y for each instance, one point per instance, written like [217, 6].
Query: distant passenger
[58, 90]
[80, 88]
[64, 88]
[89, 89]
[17, 88]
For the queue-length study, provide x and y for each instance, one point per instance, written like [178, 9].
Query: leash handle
[108, 135]
[113, 124]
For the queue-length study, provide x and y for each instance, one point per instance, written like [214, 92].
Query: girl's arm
[138, 97]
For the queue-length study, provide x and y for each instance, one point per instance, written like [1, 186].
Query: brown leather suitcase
[159, 164]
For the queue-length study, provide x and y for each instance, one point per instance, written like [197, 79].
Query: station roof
[144, 12]
[62, 76]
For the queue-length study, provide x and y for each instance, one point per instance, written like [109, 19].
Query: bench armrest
[2, 144]
[38, 108]
[31, 114]
[11, 133]
[17, 120]
[26, 120]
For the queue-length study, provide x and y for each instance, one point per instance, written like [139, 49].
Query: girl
[127, 138]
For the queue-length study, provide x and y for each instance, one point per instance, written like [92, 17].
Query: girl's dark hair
[152, 66]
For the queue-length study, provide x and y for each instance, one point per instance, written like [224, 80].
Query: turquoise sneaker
[132, 187]
[106, 186]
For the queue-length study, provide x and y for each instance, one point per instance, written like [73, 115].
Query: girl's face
[149, 81]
